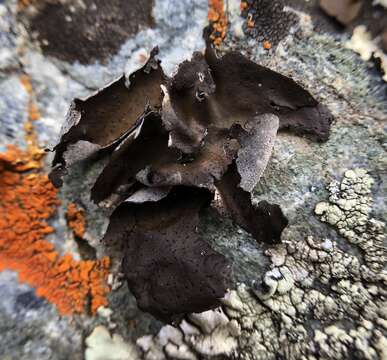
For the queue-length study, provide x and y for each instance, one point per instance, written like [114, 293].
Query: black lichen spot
[267, 20]
[88, 30]
[169, 269]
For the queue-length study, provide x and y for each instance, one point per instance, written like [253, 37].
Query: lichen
[348, 210]
[300, 308]
[267, 21]
[31, 139]
[217, 17]
[86, 34]
[332, 74]
[172, 142]
[103, 346]
[380, 2]
[209, 334]
[76, 221]
[362, 43]
[28, 201]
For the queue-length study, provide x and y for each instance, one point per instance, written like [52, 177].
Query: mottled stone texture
[318, 295]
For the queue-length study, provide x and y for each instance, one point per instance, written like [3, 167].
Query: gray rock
[307, 298]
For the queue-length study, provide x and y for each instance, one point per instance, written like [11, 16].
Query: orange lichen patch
[76, 220]
[27, 200]
[218, 20]
[26, 82]
[33, 115]
[17, 160]
[266, 45]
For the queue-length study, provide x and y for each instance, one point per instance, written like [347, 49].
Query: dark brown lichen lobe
[148, 146]
[255, 90]
[172, 143]
[170, 270]
[104, 119]
[186, 113]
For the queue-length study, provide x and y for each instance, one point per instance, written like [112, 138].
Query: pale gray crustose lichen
[320, 302]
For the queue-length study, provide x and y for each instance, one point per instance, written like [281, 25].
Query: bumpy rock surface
[319, 295]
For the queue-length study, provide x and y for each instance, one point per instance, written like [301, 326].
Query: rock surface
[320, 294]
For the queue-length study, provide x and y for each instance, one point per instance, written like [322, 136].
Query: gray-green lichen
[348, 209]
[316, 301]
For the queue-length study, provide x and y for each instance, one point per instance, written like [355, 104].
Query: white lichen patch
[278, 280]
[380, 2]
[210, 333]
[103, 346]
[319, 300]
[348, 209]
[362, 43]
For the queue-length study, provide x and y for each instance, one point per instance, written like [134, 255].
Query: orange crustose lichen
[34, 151]
[76, 220]
[218, 21]
[27, 201]
[267, 45]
